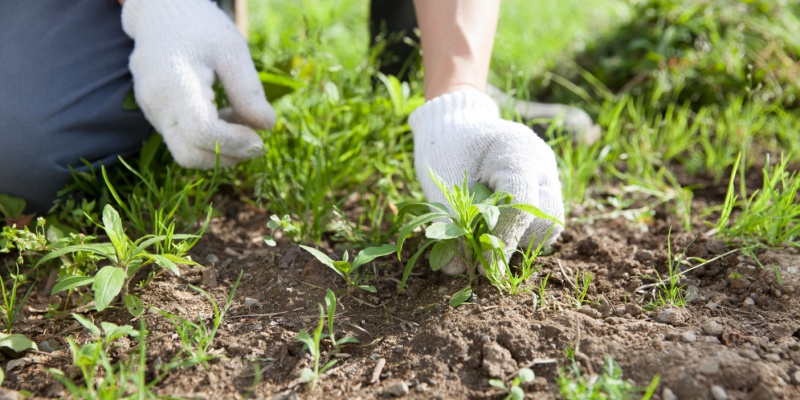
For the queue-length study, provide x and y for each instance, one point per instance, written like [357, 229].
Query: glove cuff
[455, 107]
[138, 12]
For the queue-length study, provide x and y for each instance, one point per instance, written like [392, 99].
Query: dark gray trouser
[63, 79]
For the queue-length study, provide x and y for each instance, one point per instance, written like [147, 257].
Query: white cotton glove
[462, 131]
[179, 47]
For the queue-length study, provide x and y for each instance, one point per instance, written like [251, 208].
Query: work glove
[179, 48]
[462, 131]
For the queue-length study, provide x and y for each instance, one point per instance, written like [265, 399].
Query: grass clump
[608, 385]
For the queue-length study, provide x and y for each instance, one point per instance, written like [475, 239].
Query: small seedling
[11, 304]
[284, 224]
[348, 270]
[583, 280]
[110, 331]
[197, 338]
[608, 385]
[330, 305]
[313, 346]
[126, 257]
[471, 223]
[541, 290]
[515, 392]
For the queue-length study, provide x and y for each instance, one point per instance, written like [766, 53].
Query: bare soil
[740, 331]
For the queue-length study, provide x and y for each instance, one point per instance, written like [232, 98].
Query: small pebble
[213, 259]
[422, 387]
[718, 393]
[709, 367]
[688, 337]
[248, 303]
[667, 394]
[796, 377]
[644, 255]
[749, 302]
[712, 328]
[773, 357]
[397, 388]
[45, 347]
[749, 354]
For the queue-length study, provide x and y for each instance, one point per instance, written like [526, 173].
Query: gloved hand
[462, 131]
[179, 47]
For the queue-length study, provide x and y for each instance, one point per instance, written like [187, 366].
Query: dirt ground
[738, 336]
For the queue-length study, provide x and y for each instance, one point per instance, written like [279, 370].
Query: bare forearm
[457, 40]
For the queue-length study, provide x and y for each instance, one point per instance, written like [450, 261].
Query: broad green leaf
[11, 207]
[368, 288]
[319, 255]
[347, 339]
[491, 242]
[71, 282]
[517, 393]
[134, 305]
[406, 230]
[113, 227]
[443, 231]
[166, 263]
[101, 249]
[497, 383]
[490, 213]
[410, 265]
[535, 212]
[88, 324]
[441, 254]
[460, 297]
[107, 285]
[526, 375]
[481, 192]
[304, 337]
[371, 253]
[113, 332]
[17, 343]
[342, 268]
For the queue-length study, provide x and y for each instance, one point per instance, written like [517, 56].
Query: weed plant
[514, 391]
[609, 384]
[349, 271]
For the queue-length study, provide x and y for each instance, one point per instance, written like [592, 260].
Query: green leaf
[103, 249]
[497, 383]
[491, 242]
[71, 282]
[490, 214]
[406, 230]
[88, 324]
[347, 339]
[410, 265]
[526, 375]
[368, 288]
[134, 305]
[129, 104]
[327, 366]
[166, 263]
[2, 376]
[319, 255]
[444, 230]
[11, 207]
[460, 297]
[535, 212]
[16, 343]
[481, 192]
[113, 332]
[342, 267]
[113, 227]
[107, 285]
[371, 253]
[517, 393]
[441, 254]
[304, 337]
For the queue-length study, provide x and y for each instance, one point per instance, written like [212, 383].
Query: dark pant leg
[63, 79]
[394, 19]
